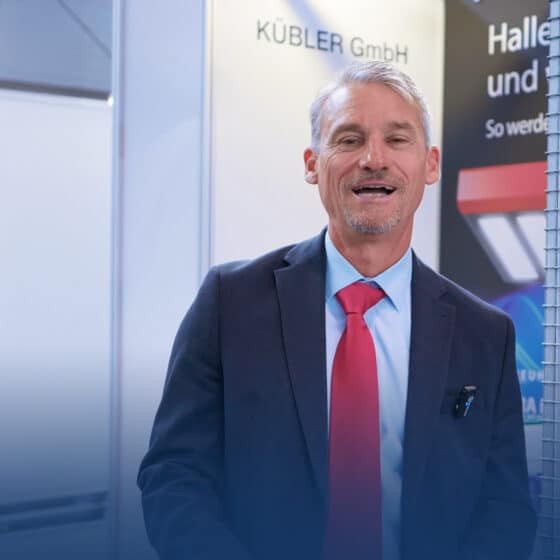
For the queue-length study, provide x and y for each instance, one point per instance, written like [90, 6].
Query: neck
[371, 254]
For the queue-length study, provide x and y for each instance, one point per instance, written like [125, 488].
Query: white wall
[261, 85]
[55, 243]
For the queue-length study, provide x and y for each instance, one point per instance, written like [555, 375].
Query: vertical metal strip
[113, 510]
[549, 527]
[206, 193]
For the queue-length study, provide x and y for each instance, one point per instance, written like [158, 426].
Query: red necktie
[354, 516]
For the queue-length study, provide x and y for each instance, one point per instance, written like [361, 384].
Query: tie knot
[359, 297]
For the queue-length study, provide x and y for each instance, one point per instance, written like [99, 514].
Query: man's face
[372, 163]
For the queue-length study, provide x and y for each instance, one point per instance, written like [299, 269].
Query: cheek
[418, 179]
[324, 196]
[335, 164]
[335, 170]
[416, 196]
[330, 198]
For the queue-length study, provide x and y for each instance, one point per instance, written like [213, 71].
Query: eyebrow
[347, 127]
[400, 125]
[391, 126]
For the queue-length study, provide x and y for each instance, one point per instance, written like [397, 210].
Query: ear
[432, 166]
[310, 159]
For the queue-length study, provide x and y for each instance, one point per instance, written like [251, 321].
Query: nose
[373, 155]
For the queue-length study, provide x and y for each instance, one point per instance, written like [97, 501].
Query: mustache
[379, 175]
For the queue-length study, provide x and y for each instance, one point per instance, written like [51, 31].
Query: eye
[398, 140]
[349, 140]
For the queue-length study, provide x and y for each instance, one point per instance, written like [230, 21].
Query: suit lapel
[301, 294]
[430, 348]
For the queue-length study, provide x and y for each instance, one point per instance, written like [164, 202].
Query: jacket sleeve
[181, 476]
[504, 523]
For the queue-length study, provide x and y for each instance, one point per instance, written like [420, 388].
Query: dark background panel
[467, 107]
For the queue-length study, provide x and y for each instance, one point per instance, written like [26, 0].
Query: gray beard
[363, 226]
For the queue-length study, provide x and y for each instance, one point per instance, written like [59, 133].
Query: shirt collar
[395, 281]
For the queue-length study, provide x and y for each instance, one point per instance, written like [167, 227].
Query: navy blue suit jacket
[237, 464]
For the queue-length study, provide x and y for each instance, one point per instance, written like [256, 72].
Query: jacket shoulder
[262, 264]
[460, 297]
[306, 251]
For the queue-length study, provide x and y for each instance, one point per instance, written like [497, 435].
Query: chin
[371, 227]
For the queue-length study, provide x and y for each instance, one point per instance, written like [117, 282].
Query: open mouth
[380, 190]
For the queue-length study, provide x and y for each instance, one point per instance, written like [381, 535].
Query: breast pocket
[462, 441]
[455, 403]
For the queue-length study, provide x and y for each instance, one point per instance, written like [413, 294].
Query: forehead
[368, 105]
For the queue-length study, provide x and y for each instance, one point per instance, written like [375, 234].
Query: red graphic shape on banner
[502, 188]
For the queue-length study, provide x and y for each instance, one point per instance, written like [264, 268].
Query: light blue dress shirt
[389, 322]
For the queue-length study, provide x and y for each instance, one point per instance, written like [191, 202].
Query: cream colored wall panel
[267, 61]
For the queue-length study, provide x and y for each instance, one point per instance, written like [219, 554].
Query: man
[338, 399]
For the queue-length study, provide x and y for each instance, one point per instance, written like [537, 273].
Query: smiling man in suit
[337, 399]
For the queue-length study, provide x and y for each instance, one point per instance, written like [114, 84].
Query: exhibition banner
[266, 62]
[493, 176]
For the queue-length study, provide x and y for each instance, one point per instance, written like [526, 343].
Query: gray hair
[369, 73]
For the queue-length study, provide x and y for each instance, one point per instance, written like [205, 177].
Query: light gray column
[158, 72]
